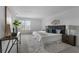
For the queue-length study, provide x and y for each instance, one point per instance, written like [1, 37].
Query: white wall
[2, 21]
[9, 18]
[69, 17]
[36, 25]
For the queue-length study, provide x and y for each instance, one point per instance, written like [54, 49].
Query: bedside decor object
[16, 24]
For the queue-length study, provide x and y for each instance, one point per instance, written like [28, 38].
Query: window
[25, 25]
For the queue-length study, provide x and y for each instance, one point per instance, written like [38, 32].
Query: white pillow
[58, 31]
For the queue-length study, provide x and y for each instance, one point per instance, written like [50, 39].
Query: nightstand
[69, 39]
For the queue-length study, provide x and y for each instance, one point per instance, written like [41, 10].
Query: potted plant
[16, 24]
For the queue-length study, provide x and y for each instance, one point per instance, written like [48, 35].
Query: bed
[49, 36]
[44, 39]
[52, 33]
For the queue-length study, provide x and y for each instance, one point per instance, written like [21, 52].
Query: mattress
[46, 37]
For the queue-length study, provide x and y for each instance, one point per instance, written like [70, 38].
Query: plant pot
[15, 30]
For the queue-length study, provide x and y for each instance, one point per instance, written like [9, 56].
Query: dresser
[69, 39]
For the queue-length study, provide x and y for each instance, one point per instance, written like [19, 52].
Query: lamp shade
[7, 30]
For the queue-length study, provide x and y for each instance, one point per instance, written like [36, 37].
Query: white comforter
[46, 37]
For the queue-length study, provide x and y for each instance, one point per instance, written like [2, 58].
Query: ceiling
[40, 12]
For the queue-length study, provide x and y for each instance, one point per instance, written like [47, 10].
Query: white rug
[55, 48]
